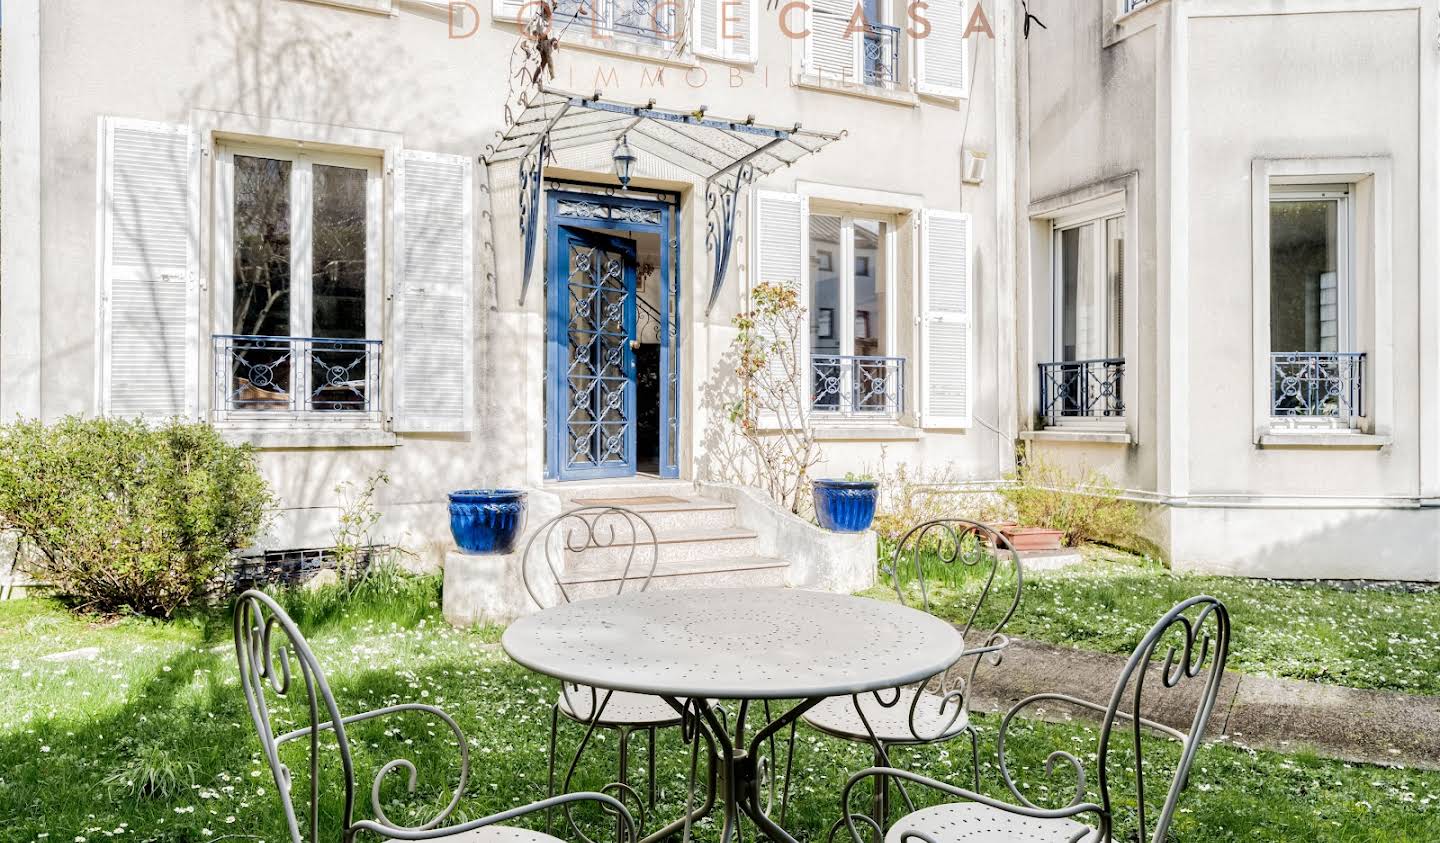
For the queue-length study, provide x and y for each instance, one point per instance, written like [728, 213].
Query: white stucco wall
[169, 60]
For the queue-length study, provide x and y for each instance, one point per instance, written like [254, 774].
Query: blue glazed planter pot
[845, 506]
[487, 520]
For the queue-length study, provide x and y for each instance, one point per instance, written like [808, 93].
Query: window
[1315, 369]
[1084, 376]
[849, 307]
[299, 234]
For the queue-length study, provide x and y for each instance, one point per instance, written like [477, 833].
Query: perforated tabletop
[740, 643]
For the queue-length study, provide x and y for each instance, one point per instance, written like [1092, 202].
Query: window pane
[261, 369]
[826, 262]
[1115, 286]
[870, 287]
[262, 246]
[1304, 277]
[338, 263]
[1081, 333]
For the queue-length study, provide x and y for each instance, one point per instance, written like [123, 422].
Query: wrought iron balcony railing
[1317, 385]
[857, 385]
[1082, 389]
[881, 51]
[652, 20]
[296, 375]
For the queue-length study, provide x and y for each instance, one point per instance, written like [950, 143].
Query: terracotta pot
[1032, 538]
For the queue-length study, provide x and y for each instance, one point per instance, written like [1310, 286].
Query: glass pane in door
[1304, 274]
[1081, 334]
[338, 370]
[261, 364]
[826, 270]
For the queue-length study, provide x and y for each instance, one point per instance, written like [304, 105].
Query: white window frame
[1101, 265]
[1344, 259]
[845, 309]
[1370, 257]
[302, 160]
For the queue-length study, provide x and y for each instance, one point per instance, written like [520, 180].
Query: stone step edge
[718, 534]
[695, 504]
[680, 569]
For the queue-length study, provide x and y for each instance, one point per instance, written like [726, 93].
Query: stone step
[740, 572]
[670, 516]
[672, 547]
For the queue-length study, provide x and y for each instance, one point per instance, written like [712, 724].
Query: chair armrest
[397, 833]
[1068, 812]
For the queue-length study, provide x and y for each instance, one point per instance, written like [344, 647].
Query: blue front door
[592, 348]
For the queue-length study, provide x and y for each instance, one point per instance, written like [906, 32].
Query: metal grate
[1082, 389]
[1319, 385]
[857, 385]
[296, 375]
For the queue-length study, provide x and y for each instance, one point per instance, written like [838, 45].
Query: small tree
[774, 394]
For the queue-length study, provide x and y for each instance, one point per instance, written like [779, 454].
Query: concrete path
[1375, 727]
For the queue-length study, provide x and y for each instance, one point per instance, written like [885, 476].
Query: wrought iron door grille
[857, 385]
[881, 51]
[296, 375]
[1082, 389]
[1322, 385]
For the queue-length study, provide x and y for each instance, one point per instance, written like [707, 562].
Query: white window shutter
[780, 258]
[829, 52]
[148, 226]
[940, 66]
[725, 29]
[946, 333]
[432, 337]
[707, 27]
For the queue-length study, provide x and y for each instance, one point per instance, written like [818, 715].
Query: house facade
[1171, 240]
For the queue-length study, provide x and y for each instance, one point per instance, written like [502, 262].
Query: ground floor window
[1316, 371]
[1083, 377]
[299, 238]
[850, 309]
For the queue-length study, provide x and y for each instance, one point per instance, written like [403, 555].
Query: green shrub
[126, 516]
[1086, 507]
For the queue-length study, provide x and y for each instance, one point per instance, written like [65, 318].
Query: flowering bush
[126, 516]
[1085, 507]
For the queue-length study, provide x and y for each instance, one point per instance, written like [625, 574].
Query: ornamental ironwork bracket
[722, 201]
[532, 175]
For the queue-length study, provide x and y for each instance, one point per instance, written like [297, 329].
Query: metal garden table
[746, 645]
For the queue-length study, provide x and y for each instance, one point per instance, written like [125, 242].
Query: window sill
[817, 82]
[1132, 22]
[1329, 439]
[285, 439]
[1093, 437]
[842, 432]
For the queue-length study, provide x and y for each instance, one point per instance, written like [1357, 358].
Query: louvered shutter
[433, 324]
[946, 342]
[707, 27]
[725, 29]
[149, 223]
[780, 258]
[829, 51]
[940, 68]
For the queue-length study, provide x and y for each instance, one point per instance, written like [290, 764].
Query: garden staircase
[700, 542]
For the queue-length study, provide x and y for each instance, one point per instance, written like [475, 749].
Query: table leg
[741, 771]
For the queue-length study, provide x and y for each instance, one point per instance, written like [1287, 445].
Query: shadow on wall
[1370, 544]
[724, 455]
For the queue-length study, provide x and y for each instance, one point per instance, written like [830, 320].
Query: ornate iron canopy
[728, 154]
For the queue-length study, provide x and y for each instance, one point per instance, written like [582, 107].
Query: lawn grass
[1385, 638]
[150, 740]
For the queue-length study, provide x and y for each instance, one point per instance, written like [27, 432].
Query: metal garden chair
[560, 566]
[1196, 633]
[938, 709]
[276, 662]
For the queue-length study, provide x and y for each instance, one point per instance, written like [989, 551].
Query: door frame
[609, 211]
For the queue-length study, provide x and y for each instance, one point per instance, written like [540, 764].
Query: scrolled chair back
[937, 705]
[275, 661]
[624, 537]
[1196, 637]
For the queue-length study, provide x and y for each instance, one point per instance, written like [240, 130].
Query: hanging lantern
[624, 160]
